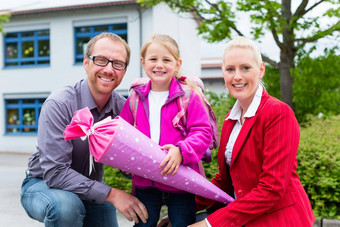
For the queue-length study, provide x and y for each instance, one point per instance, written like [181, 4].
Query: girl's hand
[172, 160]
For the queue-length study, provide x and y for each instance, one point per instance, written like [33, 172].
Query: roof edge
[75, 7]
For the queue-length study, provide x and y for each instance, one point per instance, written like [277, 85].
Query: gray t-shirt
[65, 164]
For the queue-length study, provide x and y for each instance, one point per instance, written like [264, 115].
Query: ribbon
[98, 134]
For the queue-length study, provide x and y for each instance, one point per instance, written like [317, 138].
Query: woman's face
[242, 74]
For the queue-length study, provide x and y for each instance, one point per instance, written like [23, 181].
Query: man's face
[103, 80]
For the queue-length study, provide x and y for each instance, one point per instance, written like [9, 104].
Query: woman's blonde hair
[242, 42]
[172, 46]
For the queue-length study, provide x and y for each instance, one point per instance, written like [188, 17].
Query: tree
[291, 31]
[4, 17]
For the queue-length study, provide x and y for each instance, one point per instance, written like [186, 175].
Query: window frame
[21, 106]
[19, 40]
[78, 57]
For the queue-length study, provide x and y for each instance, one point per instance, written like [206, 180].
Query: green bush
[319, 165]
[221, 105]
[316, 86]
[115, 179]
[271, 81]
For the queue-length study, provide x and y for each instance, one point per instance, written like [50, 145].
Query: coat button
[240, 192]
[236, 178]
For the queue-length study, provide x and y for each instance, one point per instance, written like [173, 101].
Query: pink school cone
[116, 143]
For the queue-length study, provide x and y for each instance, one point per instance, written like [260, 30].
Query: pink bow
[99, 134]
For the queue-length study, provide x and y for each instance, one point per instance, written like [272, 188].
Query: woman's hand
[165, 222]
[199, 224]
[172, 160]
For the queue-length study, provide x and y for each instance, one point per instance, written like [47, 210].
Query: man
[58, 189]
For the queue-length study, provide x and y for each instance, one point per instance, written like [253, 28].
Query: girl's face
[160, 66]
[242, 74]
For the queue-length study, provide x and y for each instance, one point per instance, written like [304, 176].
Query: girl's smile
[160, 66]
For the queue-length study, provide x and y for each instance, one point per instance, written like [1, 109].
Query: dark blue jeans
[181, 207]
[55, 207]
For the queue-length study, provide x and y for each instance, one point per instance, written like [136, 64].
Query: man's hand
[128, 205]
[172, 160]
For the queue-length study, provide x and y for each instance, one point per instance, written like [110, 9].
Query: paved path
[12, 172]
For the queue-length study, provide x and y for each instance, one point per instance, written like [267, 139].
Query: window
[30, 48]
[22, 115]
[84, 34]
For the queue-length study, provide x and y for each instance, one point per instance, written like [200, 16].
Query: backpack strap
[134, 97]
[133, 103]
[213, 124]
[182, 104]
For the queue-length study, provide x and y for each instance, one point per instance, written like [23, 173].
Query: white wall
[62, 70]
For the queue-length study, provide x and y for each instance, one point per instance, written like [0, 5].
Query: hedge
[115, 179]
[319, 165]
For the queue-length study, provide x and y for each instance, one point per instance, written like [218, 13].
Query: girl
[156, 109]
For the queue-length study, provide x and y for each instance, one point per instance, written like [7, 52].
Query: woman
[257, 154]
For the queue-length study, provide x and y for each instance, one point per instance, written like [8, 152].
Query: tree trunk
[287, 55]
[286, 82]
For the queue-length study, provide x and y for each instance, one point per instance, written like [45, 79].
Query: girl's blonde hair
[172, 46]
[242, 42]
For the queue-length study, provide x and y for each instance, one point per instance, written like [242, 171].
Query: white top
[156, 101]
[235, 114]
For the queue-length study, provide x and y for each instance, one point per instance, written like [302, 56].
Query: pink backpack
[182, 102]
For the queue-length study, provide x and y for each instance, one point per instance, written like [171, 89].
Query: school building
[43, 46]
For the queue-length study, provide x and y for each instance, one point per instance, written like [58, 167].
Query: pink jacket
[198, 130]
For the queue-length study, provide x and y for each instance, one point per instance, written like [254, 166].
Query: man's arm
[56, 155]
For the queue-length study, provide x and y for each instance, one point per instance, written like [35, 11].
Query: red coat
[262, 172]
